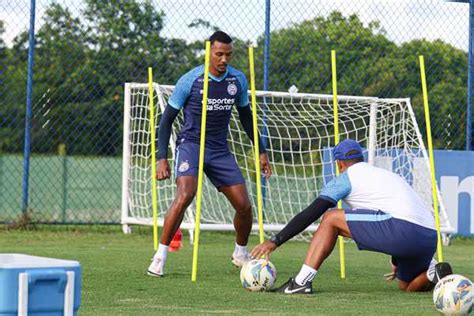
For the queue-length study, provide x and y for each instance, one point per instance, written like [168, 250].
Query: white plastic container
[31, 285]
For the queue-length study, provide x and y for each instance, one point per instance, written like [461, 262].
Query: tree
[2, 42]
[81, 66]
[369, 64]
[82, 63]
[398, 75]
[12, 95]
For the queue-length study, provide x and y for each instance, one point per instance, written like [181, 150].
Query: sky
[403, 20]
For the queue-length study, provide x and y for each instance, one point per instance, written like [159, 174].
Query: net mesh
[298, 130]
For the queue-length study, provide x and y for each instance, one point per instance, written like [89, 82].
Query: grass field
[114, 280]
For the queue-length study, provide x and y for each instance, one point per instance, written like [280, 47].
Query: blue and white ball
[454, 295]
[258, 275]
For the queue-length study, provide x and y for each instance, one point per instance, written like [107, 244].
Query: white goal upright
[299, 134]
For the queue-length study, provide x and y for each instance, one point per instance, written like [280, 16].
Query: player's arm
[302, 220]
[245, 112]
[164, 133]
[175, 104]
[245, 116]
[335, 190]
[296, 225]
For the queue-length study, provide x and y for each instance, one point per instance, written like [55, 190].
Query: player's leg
[223, 171]
[322, 244]
[238, 197]
[412, 247]
[185, 192]
[186, 189]
[324, 239]
[427, 279]
[187, 155]
[418, 284]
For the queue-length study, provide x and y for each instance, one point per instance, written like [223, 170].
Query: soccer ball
[258, 275]
[454, 295]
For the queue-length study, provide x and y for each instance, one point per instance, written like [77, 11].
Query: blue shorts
[219, 165]
[411, 246]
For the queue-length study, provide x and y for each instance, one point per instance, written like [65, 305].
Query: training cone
[177, 241]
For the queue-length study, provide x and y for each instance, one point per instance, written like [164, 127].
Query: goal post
[300, 135]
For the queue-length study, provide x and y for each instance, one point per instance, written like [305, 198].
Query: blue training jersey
[224, 91]
[367, 187]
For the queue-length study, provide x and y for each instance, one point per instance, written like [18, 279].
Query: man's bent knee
[402, 285]
[244, 210]
[336, 219]
[184, 197]
[332, 216]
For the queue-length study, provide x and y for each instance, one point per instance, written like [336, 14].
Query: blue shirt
[337, 189]
[224, 91]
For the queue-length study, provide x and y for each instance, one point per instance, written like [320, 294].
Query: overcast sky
[403, 20]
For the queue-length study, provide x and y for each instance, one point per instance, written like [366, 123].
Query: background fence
[85, 50]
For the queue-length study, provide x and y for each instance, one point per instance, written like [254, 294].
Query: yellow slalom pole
[154, 204]
[256, 144]
[430, 151]
[342, 257]
[201, 161]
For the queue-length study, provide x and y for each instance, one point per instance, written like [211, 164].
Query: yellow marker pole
[430, 151]
[342, 257]
[256, 145]
[201, 161]
[154, 204]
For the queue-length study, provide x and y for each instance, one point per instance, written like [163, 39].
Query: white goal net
[299, 133]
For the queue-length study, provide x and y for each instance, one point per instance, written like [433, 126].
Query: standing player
[227, 87]
[387, 216]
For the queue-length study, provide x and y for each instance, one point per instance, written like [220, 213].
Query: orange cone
[177, 241]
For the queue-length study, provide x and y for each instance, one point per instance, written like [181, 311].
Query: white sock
[306, 274]
[240, 250]
[162, 252]
[430, 273]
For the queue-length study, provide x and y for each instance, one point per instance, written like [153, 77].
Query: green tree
[301, 54]
[126, 36]
[398, 75]
[369, 64]
[126, 39]
[12, 94]
[82, 62]
[2, 42]
[81, 65]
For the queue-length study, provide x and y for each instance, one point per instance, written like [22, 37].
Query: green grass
[114, 282]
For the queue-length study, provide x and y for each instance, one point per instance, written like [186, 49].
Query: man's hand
[265, 165]
[391, 275]
[163, 172]
[263, 249]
